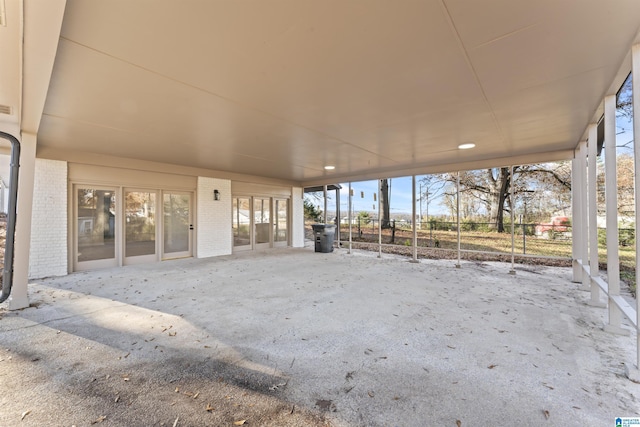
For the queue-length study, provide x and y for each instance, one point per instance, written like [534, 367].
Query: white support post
[635, 69]
[611, 200]
[379, 220]
[458, 214]
[19, 295]
[592, 200]
[350, 219]
[513, 223]
[413, 219]
[584, 210]
[324, 189]
[576, 214]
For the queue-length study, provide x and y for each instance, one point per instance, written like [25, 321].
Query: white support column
[324, 192]
[413, 219]
[350, 220]
[19, 295]
[513, 223]
[592, 200]
[583, 229]
[611, 196]
[576, 214]
[458, 214]
[635, 69]
[379, 220]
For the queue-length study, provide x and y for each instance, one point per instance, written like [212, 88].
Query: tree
[364, 217]
[624, 100]
[384, 204]
[311, 212]
[431, 187]
[492, 187]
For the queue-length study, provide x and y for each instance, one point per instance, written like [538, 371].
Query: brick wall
[297, 218]
[48, 251]
[213, 225]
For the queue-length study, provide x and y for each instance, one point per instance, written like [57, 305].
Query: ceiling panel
[282, 88]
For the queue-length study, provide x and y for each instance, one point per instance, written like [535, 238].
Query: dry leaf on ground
[458, 423]
[24, 414]
[209, 408]
[240, 423]
[99, 420]
[546, 414]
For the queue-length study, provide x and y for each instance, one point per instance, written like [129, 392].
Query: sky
[400, 191]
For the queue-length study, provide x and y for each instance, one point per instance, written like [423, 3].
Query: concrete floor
[290, 337]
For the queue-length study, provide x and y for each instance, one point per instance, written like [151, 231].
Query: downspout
[7, 275]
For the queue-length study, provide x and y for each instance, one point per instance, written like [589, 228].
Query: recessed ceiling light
[329, 167]
[466, 146]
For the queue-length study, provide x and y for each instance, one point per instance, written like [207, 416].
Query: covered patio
[290, 337]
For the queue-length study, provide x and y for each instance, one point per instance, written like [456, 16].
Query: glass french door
[259, 222]
[140, 226]
[241, 223]
[177, 225]
[95, 228]
[280, 225]
[262, 222]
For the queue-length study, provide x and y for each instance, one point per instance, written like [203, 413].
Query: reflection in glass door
[281, 232]
[241, 223]
[177, 225]
[140, 226]
[262, 222]
[95, 228]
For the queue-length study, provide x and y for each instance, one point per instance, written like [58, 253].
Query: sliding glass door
[96, 234]
[140, 226]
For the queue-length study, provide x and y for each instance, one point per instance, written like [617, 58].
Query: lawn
[549, 251]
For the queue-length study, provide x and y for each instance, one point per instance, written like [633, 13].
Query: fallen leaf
[546, 414]
[99, 420]
[371, 394]
[240, 423]
[547, 386]
[177, 389]
[195, 396]
[175, 423]
[209, 408]
[24, 414]
[172, 334]
[491, 366]
[458, 423]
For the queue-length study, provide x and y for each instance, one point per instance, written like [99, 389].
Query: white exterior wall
[213, 223]
[297, 218]
[48, 251]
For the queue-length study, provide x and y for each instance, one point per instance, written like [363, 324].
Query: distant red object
[558, 224]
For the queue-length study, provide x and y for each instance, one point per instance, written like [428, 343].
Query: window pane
[140, 223]
[282, 208]
[261, 219]
[96, 224]
[241, 222]
[176, 222]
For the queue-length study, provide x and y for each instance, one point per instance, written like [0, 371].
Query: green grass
[500, 243]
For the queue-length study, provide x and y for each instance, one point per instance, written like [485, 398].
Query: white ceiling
[282, 88]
